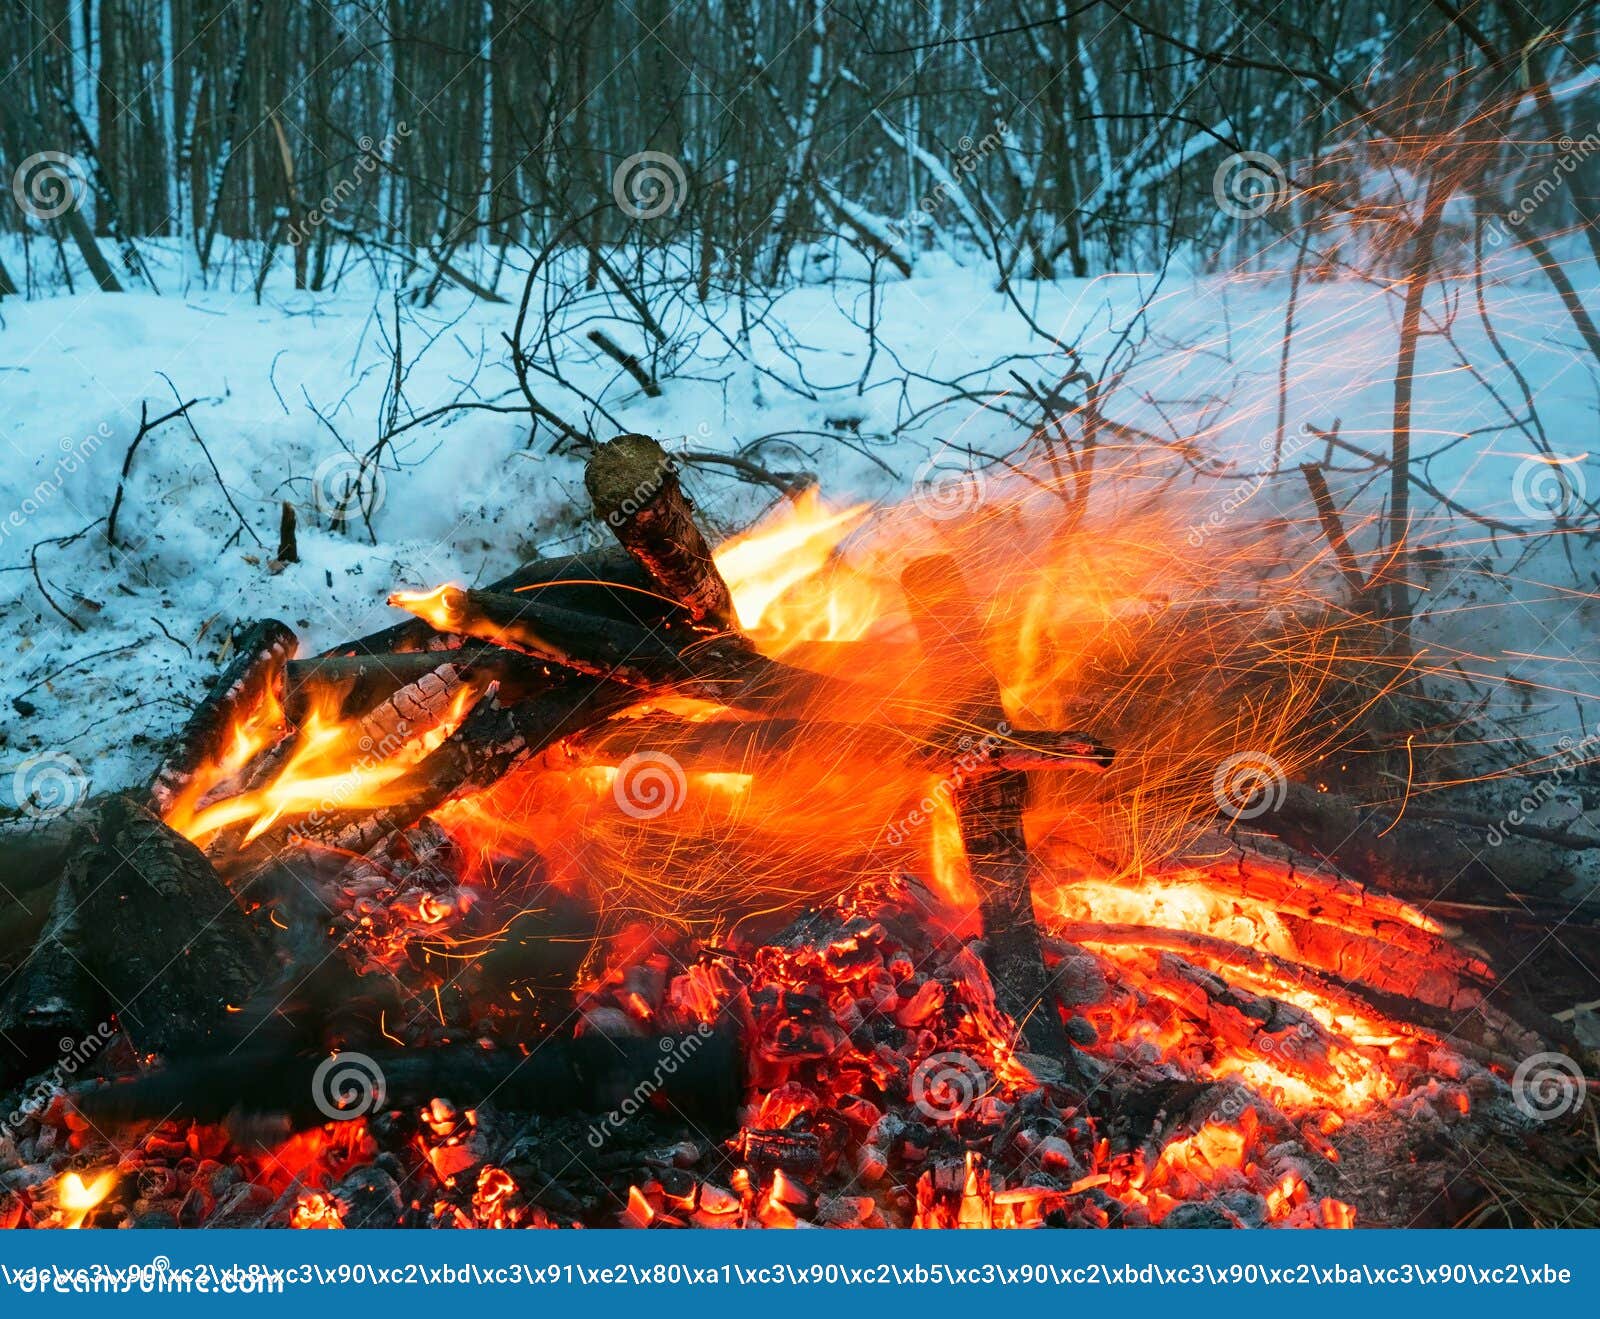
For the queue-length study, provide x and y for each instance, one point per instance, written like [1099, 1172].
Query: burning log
[745, 746]
[633, 482]
[1468, 1020]
[490, 742]
[607, 584]
[160, 931]
[561, 1077]
[354, 685]
[654, 659]
[989, 807]
[259, 653]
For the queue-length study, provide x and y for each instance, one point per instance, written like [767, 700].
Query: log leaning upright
[633, 482]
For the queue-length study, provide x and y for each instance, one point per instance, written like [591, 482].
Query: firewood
[592, 1074]
[259, 653]
[491, 741]
[50, 1002]
[288, 542]
[1466, 1017]
[161, 933]
[655, 659]
[1415, 856]
[350, 686]
[606, 583]
[634, 484]
[989, 807]
[746, 746]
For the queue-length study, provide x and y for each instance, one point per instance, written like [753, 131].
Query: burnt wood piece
[1468, 1019]
[260, 652]
[354, 685]
[1414, 856]
[161, 932]
[592, 1074]
[634, 484]
[50, 1004]
[384, 730]
[988, 806]
[607, 583]
[740, 746]
[491, 741]
[288, 542]
[655, 659]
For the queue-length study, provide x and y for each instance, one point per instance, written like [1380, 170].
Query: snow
[288, 392]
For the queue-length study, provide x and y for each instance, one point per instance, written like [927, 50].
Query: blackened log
[350, 686]
[607, 583]
[746, 746]
[1414, 856]
[1468, 1019]
[288, 542]
[491, 741]
[696, 1076]
[260, 652]
[161, 933]
[634, 484]
[989, 807]
[655, 659]
[51, 1004]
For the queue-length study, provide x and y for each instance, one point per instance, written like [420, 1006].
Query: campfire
[899, 867]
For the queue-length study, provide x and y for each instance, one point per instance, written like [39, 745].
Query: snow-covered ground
[111, 644]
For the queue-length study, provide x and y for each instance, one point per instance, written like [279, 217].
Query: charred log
[589, 1074]
[989, 806]
[606, 583]
[490, 742]
[161, 932]
[1466, 1017]
[1415, 856]
[50, 1000]
[654, 659]
[743, 746]
[350, 686]
[259, 653]
[634, 484]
